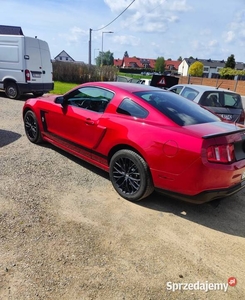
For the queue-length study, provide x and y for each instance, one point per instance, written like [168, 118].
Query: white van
[25, 64]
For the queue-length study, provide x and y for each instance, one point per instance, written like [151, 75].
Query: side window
[131, 108]
[189, 93]
[91, 98]
[232, 100]
[177, 89]
[211, 99]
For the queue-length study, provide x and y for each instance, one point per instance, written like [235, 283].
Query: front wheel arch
[32, 128]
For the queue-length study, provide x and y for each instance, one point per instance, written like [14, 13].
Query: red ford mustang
[145, 137]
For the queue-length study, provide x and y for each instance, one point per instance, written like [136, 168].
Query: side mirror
[60, 100]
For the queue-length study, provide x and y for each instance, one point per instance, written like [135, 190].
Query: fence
[237, 86]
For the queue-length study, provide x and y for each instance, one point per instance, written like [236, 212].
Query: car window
[211, 99]
[91, 98]
[221, 99]
[232, 100]
[177, 89]
[189, 93]
[180, 110]
[131, 108]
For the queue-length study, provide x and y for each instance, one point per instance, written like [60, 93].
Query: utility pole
[89, 46]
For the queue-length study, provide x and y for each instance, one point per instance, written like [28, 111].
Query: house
[171, 66]
[118, 62]
[211, 67]
[64, 56]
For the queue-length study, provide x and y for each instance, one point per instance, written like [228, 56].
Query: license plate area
[36, 74]
[227, 117]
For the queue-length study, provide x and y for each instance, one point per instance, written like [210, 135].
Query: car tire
[11, 90]
[32, 129]
[130, 175]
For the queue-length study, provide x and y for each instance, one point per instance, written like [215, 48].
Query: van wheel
[11, 91]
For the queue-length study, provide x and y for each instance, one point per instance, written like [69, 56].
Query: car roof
[129, 87]
[203, 88]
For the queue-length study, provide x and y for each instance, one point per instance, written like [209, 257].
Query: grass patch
[61, 88]
[135, 76]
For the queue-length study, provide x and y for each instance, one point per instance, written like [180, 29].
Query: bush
[80, 72]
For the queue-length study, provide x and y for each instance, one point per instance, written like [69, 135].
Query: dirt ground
[66, 234]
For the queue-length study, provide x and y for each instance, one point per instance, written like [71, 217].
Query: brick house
[171, 66]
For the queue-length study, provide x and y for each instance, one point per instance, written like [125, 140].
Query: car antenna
[219, 85]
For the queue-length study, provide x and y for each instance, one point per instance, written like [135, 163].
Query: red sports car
[146, 138]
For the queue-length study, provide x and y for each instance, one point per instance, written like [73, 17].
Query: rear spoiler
[208, 136]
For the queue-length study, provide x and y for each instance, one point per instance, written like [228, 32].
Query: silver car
[225, 103]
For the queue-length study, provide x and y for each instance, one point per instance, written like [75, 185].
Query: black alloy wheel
[130, 175]
[32, 128]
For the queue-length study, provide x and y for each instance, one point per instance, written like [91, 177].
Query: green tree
[196, 69]
[126, 54]
[105, 59]
[229, 73]
[160, 64]
[180, 58]
[230, 63]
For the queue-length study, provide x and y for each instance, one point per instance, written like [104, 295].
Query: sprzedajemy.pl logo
[201, 286]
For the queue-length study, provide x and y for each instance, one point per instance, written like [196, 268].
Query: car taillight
[27, 75]
[221, 153]
[242, 117]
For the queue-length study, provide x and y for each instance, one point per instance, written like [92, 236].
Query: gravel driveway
[66, 234]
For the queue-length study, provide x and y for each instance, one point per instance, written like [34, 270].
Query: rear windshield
[180, 110]
[221, 99]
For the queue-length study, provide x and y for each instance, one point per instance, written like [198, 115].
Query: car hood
[214, 128]
[49, 97]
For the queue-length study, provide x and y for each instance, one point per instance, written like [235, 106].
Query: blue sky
[148, 29]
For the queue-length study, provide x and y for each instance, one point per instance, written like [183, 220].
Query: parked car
[145, 137]
[25, 64]
[224, 103]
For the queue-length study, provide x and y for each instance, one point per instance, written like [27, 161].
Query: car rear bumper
[205, 196]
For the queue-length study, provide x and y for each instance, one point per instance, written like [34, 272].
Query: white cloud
[148, 28]
[149, 15]
[73, 35]
[127, 40]
[229, 36]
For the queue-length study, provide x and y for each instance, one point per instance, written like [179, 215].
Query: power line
[115, 18]
[90, 31]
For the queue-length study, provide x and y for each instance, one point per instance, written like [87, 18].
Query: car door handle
[89, 121]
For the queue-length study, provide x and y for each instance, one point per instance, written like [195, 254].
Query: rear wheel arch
[122, 147]
[130, 186]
